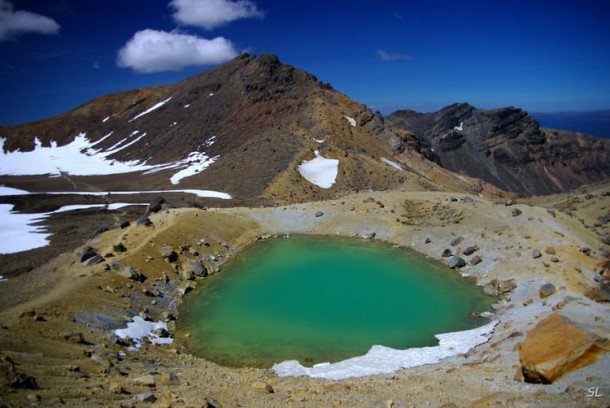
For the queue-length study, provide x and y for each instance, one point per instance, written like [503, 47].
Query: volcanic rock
[507, 148]
[556, 346]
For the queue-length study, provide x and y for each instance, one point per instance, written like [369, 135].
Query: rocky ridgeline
[507, 148]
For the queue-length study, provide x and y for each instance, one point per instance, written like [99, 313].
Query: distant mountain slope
[243, 128]
[596, 123]
[507, 148]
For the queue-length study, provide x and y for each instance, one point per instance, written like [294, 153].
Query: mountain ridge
[507, 148]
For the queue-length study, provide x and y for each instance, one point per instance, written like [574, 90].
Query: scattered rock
[319, 213]
[554, 259]
[87, 253]
[125, 224]
[192, 269]
[145, 221]
[446, 253]
[470, 250]
[93, 260]
[427, 241]
[155, 205]
[546, 290]
[263, 386]
[550, 250]
[10, 377]
[456, 262]
[370, 235]
[127, 272]
[536, 254]
[508, 203]
[119, 247]
[585, 250]
[457, 240]
[516, 212]
[146, 380]
[168, 253]
[145, 397]
[556, 346]
[497, 288]
[75, 337]
[100, 231]
[173, 378]
[475, 260]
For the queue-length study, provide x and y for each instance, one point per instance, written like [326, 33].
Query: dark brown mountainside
[507, 148]
[259, 119]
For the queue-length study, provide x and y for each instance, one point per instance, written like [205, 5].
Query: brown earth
[43, 311]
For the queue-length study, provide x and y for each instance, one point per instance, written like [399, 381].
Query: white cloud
[14, 23]
[211, 14]
[154, 51]
[393, 56]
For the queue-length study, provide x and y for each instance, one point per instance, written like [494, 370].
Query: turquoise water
[317, 299]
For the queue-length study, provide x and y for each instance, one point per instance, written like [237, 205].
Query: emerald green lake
[318, 299]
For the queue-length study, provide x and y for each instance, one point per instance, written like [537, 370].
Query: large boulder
[556, 346]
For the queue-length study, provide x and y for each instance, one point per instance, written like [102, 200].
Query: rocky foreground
[547, 265]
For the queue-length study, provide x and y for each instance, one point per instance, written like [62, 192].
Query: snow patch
[187, 105]
[17, 232]
[81, 158]
[139, 329]
[195, 162]
[2, 279]
[385, 360]
[105, 119]
[152, 108]
[459, 128]
[320, 171]
[9, 191]
[351, 120]
[391, 163]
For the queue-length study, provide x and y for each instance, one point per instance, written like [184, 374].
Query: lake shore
[58, 320]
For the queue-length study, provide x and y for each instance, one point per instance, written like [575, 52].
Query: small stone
[389, 404]
[75, 337]
[585, 250]
[319, 213]
[146, 380]
[475, 260]
[87, 253]
[536, 254]
[168, 253]
[119, 247]
[125, 224]
[145, 221]
[554, 259]
[174, 378]
[456, 262]
[428, 240]
[263, 386]
[457, 240]
[446, 253]
[550, 250]
[94, 260]
[470, 250]
[145, 397]
[546, 290]
[516, 212]
[100, 231]
[509, 202]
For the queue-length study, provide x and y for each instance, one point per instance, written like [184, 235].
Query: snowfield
[139, 329]
[320, 171]
[351, 120]
[385, 360]
[82, 157]
[17, 232]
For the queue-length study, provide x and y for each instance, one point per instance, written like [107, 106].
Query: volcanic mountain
[507, 148]
[245, 128]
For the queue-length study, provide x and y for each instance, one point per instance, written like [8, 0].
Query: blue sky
[538, 55]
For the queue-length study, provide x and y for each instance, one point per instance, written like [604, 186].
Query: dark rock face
[507, 148]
